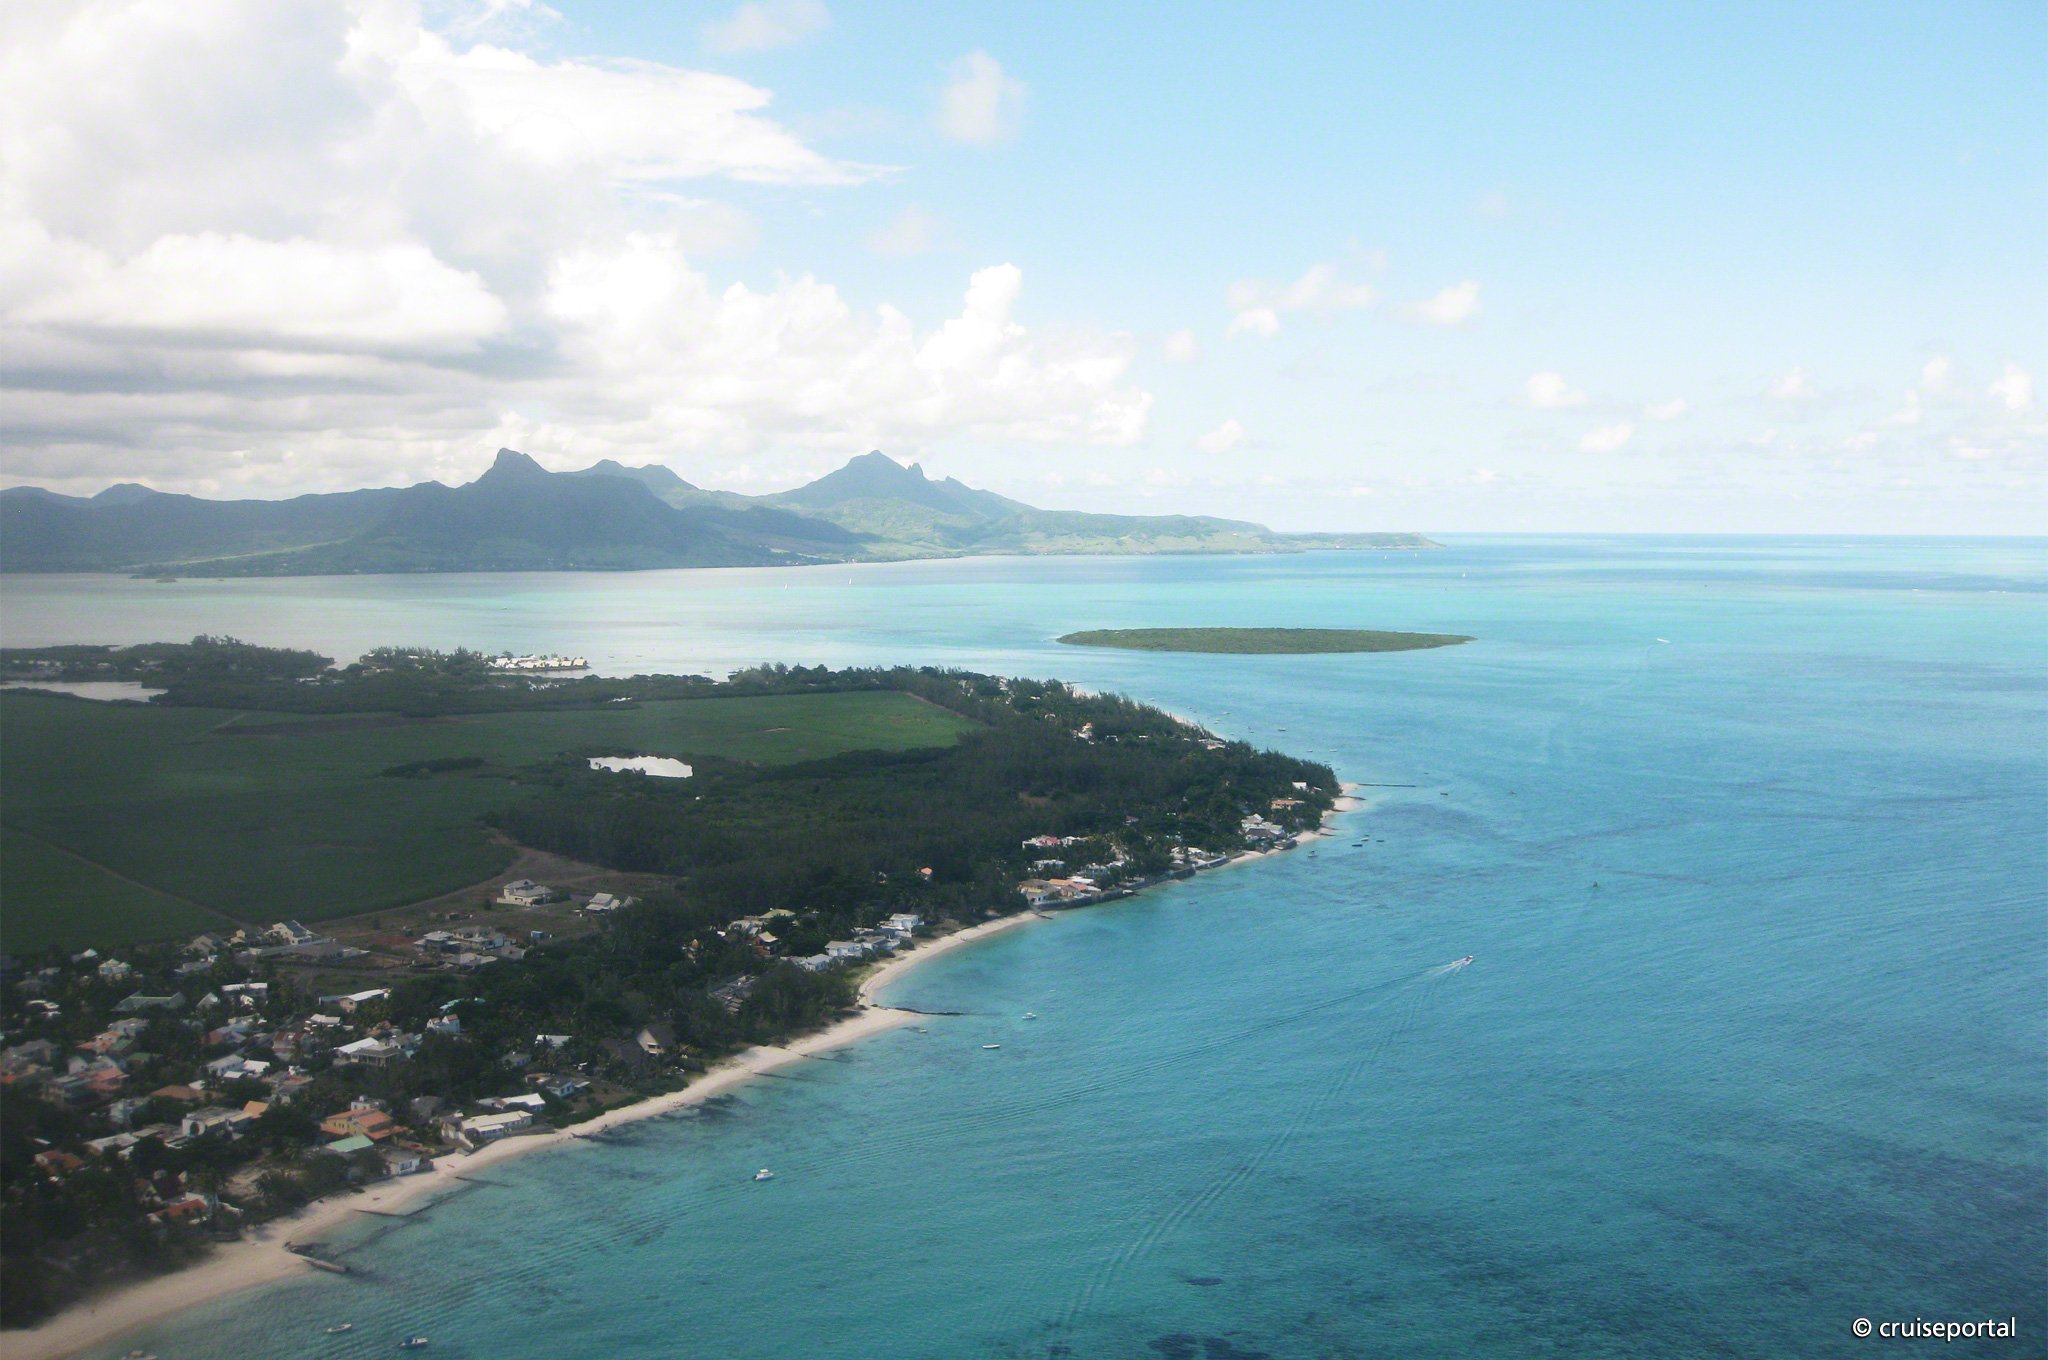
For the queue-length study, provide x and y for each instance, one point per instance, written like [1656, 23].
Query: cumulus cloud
[2014, 388]
[1452, 306]
[1181, 347]
[1607, 438]
[1222, 439]
[1549, 391]
[1667, 410]
[981, 103]
[762, 24]
[247, 246]
[1935, 374]
[654, 335]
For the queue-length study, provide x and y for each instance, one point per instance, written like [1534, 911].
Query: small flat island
[1261, 641]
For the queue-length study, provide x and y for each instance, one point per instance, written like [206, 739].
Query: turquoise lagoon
[1749, 838]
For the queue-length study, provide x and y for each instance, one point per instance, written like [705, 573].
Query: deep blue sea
[1748, 837]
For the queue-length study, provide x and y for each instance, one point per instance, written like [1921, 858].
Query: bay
[1748, 838]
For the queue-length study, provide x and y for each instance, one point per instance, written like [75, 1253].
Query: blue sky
[1588, 267]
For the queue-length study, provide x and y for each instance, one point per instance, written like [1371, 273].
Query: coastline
[265, 1255]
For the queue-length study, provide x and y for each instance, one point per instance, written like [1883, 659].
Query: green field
[121, 822]
[1261, 641]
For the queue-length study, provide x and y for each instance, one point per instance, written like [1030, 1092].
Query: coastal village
[209, 1085]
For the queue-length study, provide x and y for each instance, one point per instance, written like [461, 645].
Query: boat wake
[1454, 966]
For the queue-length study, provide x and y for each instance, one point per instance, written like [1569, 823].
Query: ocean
[1748, 839]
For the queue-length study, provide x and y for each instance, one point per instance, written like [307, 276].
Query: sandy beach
[264, 1255]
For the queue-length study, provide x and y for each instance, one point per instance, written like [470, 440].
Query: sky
[1432, 267]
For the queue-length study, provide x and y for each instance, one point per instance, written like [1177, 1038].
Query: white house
[348, 1003]
[215, 1119]
[400, 1161]
[524, 892]
[369, 1053]
[486, 1128]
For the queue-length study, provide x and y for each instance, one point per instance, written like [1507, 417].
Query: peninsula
[1261, 641]
[447, 925]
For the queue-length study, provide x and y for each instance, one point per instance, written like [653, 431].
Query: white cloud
[980, 103]
[914, 231]
[1222, 439]
[250, 246]
[1796, 385]
[1935, 374]
[1549, 391]
[677, 361]
[1667, 410]
[219, 289]
[1181, 347]
[1319, 289]
[1259, 321]
[1452, 306]
[2014, 387]
[762, 24]
[1607, 438]
[1909, 413]
[628, 120]
[1257, 304]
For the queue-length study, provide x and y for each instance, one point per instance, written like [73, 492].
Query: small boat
[413, 1343]
[1462, 962]
[764, 1174]
[338, 1328]
[1031, 1015]
[991, 1045]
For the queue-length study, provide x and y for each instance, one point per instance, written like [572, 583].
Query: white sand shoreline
[264, 1256]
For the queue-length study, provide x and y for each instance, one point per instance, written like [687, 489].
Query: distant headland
[1261, 641]
[518, 516]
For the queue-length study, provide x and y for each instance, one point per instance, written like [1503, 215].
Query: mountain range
[518, 516]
